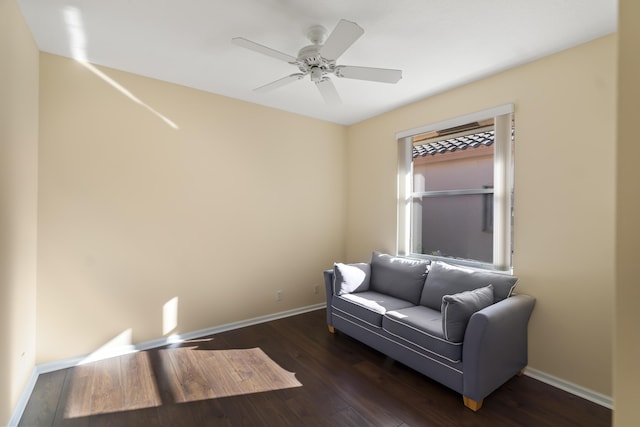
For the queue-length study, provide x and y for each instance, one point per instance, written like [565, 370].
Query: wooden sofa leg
[472, 404]
[332, 329]
[520, 372]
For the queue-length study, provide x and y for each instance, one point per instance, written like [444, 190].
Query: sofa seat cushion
[446, 279]
[368, 306]
[422, 326]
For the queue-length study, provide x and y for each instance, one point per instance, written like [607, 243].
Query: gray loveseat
[462, 327]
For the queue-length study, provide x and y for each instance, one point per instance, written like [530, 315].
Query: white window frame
[502, 192]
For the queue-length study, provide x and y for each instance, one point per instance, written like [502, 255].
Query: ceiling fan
[318, 60]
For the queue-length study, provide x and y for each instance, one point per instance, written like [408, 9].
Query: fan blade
[279, 83]
[328, 92]
[383, 75]
[343, 36]
[240, 41]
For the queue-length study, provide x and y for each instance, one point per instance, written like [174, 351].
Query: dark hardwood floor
[239, 378]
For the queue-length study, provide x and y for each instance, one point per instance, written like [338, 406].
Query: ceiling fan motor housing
[311, 62]
[317, 34]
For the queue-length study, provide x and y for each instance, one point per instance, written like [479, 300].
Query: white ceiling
[439, 44]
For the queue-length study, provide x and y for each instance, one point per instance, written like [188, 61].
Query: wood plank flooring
[246, 377]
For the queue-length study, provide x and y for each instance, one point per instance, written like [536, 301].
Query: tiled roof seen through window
[452, 144]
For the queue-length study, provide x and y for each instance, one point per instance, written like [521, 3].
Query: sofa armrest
[495, 345]
[328, 284]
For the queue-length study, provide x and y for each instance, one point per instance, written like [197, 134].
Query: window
[456, 190]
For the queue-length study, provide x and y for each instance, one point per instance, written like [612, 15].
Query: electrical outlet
[279, 295]
[315, 289]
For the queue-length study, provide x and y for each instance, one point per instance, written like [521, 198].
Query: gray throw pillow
[446, 279]
[348, 278]
[457, 310]
[398, 277]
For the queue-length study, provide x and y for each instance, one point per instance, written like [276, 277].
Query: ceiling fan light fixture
[316, 74]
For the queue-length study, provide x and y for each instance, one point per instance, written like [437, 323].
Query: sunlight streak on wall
[77, 37]
[118, 345]
[128, 94]
[78, 48]
[170, 316]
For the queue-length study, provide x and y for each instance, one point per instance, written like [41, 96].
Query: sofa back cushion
[348, 278]
[398, 277]
[446, 279]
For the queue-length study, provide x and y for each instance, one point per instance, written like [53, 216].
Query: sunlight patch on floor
[212, 374]
[177, 375]
[116, 384]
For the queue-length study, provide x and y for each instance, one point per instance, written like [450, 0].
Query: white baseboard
[147, 345]
[585, 393]
[24, 398]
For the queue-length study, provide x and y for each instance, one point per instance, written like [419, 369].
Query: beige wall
[18, 203]
[237, 202]
[564, 197]
[626, 377]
